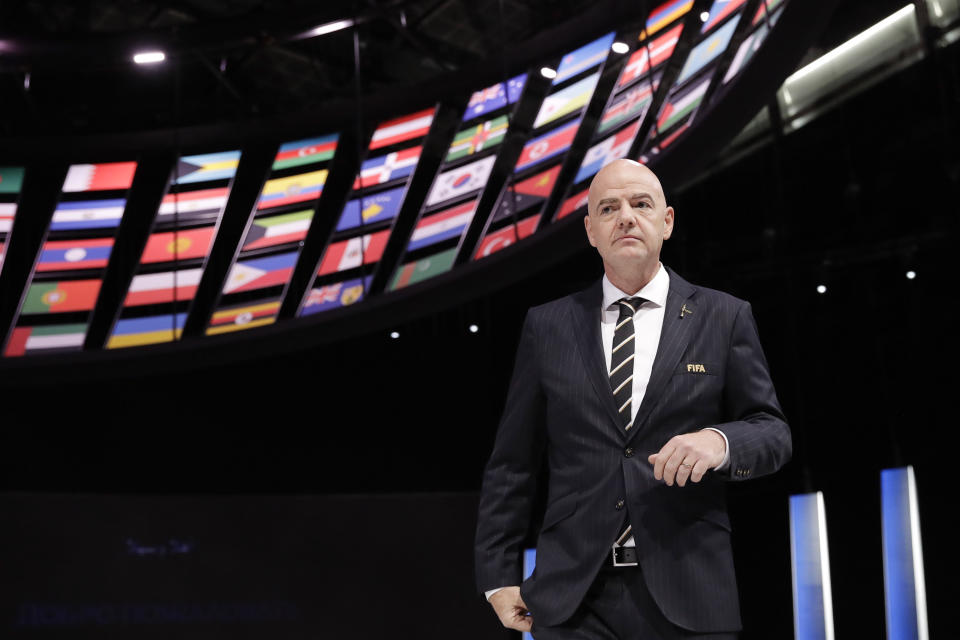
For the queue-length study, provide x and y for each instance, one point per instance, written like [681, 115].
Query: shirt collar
[655, 291]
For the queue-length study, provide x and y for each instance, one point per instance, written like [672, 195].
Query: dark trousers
[618, 606]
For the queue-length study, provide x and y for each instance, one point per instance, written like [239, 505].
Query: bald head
[620, 173]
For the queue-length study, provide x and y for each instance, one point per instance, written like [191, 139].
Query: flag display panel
[334, 295]
[495, 97]
[239, 317]
[11, 180]
[423, 269]
[586, 57]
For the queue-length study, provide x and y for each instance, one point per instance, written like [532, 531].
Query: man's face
[627, 217]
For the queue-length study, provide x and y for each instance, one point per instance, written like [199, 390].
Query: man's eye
[606, 209]
[643, 204]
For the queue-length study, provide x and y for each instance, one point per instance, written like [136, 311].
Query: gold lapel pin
[684, 310]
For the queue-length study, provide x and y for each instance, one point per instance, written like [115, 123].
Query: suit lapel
[680, 319]
[586, 326]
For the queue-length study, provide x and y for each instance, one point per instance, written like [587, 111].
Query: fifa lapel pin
[684, 311]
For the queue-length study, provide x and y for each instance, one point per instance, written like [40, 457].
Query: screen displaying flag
[547, 146]
[415, 125]
[291, 189]
[207, 166]
[681, 104]
[64, 255]
[301, 152]
[88, 214]
[566, 101]
[133, 332]
[573, 203]
[455, 183]
[348, 254]
[259, 273]
[527, 193]
[99, 177]
[178, 245]
[720, 10]
[584, 58]
[393, 166]
[505, 237]
[632, 104]
[423, 269]
[446, 224]
[11, 179]
[672, 136]
[666, 14]
[370, 209]
[205, 204]
[708, 50]
[165, 286]
[7, 211]
[244, 316]
[748, 47]
[55, 337]
[606, 151]
[338, 294]
[65, 295]
[478, 138]
[649, 56]
[765, 6]
[270, 231]
[493, 98]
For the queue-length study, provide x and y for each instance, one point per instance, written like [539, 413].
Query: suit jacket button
[628, 453]
[619, 505]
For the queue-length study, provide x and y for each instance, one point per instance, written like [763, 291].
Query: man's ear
[586, 224]
[668, 223]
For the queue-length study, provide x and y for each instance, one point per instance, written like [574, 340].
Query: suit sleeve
[758, 435]
[510, 477]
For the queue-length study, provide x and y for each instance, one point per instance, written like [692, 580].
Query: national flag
[478, 138]
[346, 254]
[584, 58]
[566, 101]
[649, 55]
[503, 238]
[131, 332]
[667, 141]
[461, 181]
[422, 269]
[765, 6]
[299, 188]
[244, 316]
[606, 151]
[632, 104]
[46, 338]
[547, 145]
[397, 130]
[745, 52]
[681, 105]
[65, 295]
[708, 50]
[178, 245]
[527, 193]
[207, 166]
[371, 209]
[99, 177]
[11, 179]
[295, 154]
[666, 13]
[443, 225]
[719, 10]
[338, 294]
[165, 286]
[259, 273]
[88, 214]
[270, 231]
[493, 97]
[64, 255]
[573, 203]
[395, 165]
[204, 204]
[7, 211]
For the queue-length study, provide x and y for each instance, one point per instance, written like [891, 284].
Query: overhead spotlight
[704, 16]
[473, 328]
[911, 274]
[149, 57]
[620, 47]
[394, 334]
[548, 73]
[329, 27]
[821, 288]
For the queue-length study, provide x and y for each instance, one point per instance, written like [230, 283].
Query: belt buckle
[618, 563]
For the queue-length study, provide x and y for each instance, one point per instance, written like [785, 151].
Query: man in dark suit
[643, 394]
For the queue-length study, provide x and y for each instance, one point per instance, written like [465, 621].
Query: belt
[624, 557]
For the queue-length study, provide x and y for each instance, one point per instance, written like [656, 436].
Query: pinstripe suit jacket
[560, 410]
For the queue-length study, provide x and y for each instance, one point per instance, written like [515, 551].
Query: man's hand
[511, 609]
[688, 457]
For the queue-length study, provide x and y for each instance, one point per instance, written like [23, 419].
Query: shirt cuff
[491, 592]
[726, 450]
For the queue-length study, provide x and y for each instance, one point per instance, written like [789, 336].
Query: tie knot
[629, 306]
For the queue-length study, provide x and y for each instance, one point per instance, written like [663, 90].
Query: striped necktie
[621, 359]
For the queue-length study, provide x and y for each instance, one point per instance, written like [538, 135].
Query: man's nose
[625, 216]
